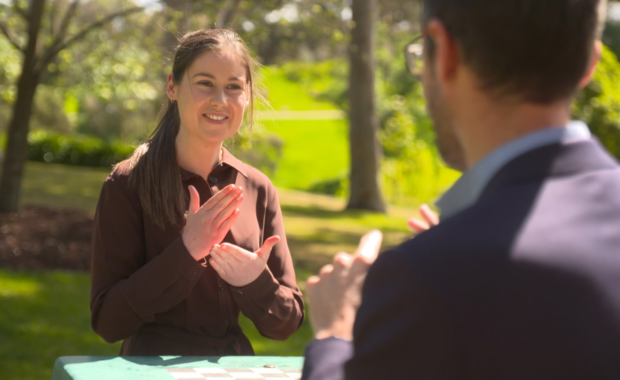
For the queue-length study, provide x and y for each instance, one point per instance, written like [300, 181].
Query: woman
[161, 280]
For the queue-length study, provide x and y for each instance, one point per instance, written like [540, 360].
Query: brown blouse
[148, 290]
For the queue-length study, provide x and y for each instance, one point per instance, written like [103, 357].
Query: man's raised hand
[430, 220]
[335, 294]
[207, 225]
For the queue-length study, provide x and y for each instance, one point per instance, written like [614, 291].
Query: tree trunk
[227, 13]
[363, 123]
[16, 150]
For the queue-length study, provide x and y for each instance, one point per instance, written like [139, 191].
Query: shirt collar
[466, 191]
[227, 159]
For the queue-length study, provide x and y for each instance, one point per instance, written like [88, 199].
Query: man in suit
[521, 278]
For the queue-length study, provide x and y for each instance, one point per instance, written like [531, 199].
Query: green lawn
[314, 151]
[46, 315]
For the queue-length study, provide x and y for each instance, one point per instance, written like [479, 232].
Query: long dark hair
[154, 169]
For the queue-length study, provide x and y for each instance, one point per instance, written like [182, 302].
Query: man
[521, 278]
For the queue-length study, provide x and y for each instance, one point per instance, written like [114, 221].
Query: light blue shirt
[466, 191]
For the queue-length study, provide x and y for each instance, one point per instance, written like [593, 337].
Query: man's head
[536, 52]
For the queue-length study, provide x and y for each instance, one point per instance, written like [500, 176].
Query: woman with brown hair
[185, 234]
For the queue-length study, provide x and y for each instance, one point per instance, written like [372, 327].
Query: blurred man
[521, 278]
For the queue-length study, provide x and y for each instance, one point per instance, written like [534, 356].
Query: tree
[363, 123]
[39, 50]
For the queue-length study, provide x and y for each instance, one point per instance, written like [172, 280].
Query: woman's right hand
[208, 224]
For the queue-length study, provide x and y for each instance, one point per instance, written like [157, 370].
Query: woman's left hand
[239, 267]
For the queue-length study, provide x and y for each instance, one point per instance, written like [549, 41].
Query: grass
[46, 315]
[313, 151]
[284, 95]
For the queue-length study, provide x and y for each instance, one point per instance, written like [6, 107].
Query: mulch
[45, 239]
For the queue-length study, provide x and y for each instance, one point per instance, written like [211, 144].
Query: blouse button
[221, 287]
[224, 323]
[197, 272]
[213, 179]
[239, 292]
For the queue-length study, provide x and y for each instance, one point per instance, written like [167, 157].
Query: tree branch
[64, 24]
[56, 48]
[20, 10]
[8, 36]
[227, 13]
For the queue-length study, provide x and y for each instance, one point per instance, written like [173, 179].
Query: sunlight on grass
[313, 151]
[48, 318]
[285, 95]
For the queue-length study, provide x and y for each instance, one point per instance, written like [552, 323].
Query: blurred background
[81, 83]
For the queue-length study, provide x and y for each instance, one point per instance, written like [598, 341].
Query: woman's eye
[234, 87]
[205, 83]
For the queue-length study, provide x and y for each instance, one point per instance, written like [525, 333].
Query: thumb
[265, 250]
[194, 200]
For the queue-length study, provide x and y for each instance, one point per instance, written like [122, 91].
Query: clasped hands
[335, 294]
[206, 227]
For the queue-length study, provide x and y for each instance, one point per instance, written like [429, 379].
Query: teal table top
[176, 367]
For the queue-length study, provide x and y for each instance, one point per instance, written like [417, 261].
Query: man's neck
[196, 156]
[485, 126]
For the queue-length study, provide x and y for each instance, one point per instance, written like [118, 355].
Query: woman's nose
[218, 98]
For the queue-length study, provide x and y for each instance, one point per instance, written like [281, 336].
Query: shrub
[598, 104]
[75, 150]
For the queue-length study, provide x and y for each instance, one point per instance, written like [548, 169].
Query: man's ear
[171, 89]
[597, 51]
[446, 58]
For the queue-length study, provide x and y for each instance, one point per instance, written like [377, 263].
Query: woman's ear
[171, 89]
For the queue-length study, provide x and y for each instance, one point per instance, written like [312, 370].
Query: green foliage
[611, 37]
[75, 150]
[598, 104]
[257, 147]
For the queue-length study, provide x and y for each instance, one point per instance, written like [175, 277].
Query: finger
[312, 281]
[218, 268]
[224, 256]
[236, 252]
[326, 270]
[342, 261]
[429, 215]
[265, 251]
[194, 200]
[417, 226]
[227, 223]
[224, 211]
[228, 191]
[369, 247]
[221, 262]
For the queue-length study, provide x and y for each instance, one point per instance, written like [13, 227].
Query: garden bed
[43, 239]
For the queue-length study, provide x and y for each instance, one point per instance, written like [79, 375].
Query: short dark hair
[535, 50]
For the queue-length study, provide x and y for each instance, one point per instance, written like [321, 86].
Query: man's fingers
[417, 226]
[194, 200]
[342, 260]
[327, 269]
[369, 247]
[429, 215]
[265, 250]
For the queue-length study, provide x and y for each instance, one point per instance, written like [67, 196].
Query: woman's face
[211, 97]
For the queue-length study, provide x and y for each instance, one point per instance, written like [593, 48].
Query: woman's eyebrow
[213, 76]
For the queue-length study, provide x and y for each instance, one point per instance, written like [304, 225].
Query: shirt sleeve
[127, 291]
[273, 301]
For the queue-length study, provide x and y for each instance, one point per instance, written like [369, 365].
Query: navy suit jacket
[524, 284]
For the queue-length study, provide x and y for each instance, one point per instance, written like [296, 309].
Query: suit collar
[549, 161]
